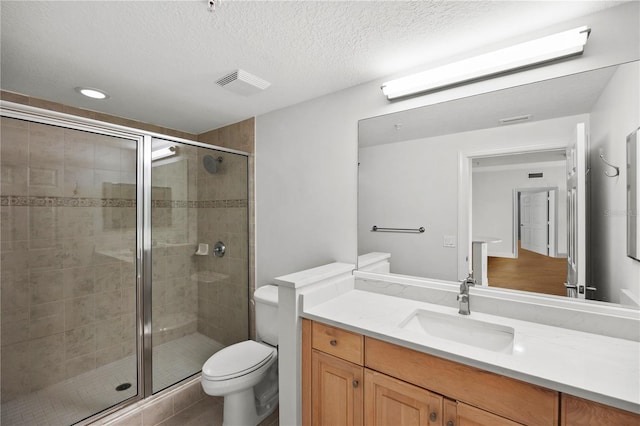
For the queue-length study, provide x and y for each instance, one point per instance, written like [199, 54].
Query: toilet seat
[237, 360]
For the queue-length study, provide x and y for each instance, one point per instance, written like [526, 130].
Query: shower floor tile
[84, 395]
[181, 358]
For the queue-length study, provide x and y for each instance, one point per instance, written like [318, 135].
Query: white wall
[615, 115]
[306, 185]
[493, 195]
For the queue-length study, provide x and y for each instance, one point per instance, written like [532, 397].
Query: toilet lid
[237, 360]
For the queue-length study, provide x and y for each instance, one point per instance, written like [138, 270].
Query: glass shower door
[79, 206]
[199, 294]
[68, 272]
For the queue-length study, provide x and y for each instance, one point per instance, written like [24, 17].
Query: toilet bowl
[246, 373]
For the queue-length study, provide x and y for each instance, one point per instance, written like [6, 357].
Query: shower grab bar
[408, 230]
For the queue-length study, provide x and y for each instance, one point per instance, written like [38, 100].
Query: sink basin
[461, 329]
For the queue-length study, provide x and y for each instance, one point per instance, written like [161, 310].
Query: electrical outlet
[449, 241]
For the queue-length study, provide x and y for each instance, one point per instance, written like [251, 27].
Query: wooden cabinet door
[336, 391]
[450, 412]
[580, 412]
[472, 416]
[392, 402]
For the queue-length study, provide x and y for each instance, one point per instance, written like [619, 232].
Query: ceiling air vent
[535, 175]
[514, 120]
[243, 83]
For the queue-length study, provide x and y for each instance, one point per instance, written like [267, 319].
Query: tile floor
[208, 412]
[74, 399]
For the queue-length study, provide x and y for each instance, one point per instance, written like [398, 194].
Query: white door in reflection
[534, 225]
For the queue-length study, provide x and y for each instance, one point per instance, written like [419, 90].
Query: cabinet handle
[333, 342]
[450, 423]
[356, 383]
[433, 416]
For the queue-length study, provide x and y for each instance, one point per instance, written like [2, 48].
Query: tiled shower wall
[68, 240]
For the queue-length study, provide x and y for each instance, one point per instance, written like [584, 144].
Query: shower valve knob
[218, 249]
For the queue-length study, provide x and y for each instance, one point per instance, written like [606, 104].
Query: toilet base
[240, 409]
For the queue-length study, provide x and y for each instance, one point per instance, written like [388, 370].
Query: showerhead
[211, 163]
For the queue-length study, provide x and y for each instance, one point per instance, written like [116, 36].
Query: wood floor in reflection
[529, 272]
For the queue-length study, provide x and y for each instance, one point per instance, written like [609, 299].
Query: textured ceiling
[159, 60]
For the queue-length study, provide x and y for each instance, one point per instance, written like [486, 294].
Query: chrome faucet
[463, 297]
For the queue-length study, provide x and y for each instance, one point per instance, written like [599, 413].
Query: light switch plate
[449, 241]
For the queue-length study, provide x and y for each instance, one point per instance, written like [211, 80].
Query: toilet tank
[266, 298]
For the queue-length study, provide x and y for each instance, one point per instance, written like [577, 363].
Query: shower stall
[124, 263]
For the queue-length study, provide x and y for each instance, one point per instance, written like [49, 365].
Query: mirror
[467, 169]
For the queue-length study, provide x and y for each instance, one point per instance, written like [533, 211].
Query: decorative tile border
[211, 204]
[26, 201]
[222, 204]
[22, 201]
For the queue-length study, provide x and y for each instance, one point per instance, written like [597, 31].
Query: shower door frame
[143, 139]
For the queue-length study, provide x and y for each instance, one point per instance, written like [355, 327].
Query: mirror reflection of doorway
[540, 235]
[535, 213]
[522, 200]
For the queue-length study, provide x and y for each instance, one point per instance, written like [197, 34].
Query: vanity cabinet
[346, 382]
[350, 379]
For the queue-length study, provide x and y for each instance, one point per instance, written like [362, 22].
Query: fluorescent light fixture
[546, 49]
[163, 153]
[92, 93]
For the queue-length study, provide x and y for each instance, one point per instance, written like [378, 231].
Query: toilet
[246, 373]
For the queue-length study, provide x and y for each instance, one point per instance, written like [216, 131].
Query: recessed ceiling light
[92, 93]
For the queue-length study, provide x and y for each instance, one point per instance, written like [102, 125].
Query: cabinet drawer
[515, 400]
[341, 343]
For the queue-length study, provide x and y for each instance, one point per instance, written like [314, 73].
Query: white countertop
[486, 239]
[595, 367]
